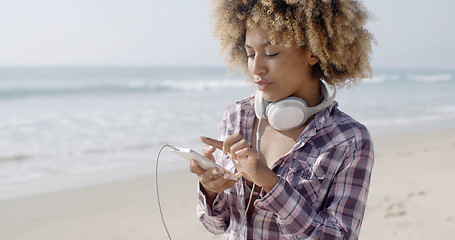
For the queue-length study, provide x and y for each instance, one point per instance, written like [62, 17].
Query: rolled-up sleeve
[215, 218]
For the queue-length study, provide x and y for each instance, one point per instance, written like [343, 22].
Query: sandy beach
[411, 197]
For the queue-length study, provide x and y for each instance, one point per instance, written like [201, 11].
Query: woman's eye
[273, 54]
[252, 55]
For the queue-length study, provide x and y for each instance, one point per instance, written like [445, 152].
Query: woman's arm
[213, 209]
[341, 214]
[213, 206]
[214, 216]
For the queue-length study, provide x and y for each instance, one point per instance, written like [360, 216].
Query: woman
[305, 181]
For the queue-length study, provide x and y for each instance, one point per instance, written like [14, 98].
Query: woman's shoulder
[246, 103]
[239, 113]
[343, 129]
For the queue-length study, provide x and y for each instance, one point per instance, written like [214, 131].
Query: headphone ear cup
[287, 114]
[259, 105]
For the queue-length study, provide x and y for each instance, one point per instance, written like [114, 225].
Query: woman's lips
[262, 85]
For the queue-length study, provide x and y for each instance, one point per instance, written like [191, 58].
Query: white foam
[381, 78]
[198, 85]
[430, 78]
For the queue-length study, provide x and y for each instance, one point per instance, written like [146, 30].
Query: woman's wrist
[268, 179]
[209, 195]
[271, 183]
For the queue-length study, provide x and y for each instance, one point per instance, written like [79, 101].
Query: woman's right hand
[212, 180]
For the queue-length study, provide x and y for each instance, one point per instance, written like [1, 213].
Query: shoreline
[49, 185]
[410, 189]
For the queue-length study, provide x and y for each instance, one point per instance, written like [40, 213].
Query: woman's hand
[212, 180]
[245, 159]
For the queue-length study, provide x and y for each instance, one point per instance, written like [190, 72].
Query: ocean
[62, 121]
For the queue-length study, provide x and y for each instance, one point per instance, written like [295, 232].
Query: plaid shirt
[323, 186]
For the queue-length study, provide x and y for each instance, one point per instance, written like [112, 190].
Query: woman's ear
[313, 59]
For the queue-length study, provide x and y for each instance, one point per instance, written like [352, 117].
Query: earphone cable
[258, 142]
[157, 189]
[158, 193]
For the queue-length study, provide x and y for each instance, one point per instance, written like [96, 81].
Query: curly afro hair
[333, 30]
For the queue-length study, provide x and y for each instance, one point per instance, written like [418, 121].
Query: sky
[410, 34]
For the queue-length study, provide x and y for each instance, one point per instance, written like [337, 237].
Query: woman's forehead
[261, 36]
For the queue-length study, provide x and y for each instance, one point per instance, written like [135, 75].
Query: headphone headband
[326, 102]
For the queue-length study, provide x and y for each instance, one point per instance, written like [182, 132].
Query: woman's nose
[258, 66]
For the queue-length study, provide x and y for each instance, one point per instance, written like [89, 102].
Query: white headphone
[291, 112]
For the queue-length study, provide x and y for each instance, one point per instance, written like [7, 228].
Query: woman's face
[279, 71]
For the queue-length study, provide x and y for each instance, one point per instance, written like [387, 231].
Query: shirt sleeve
[215, 218]
[341, 215]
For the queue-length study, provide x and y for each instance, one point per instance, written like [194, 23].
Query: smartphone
[202, 161]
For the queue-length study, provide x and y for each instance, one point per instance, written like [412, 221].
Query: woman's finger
[229, 141]
[214, 179]
[194, 168]
[250, 153]
[210, 175]
[212, 142]
[208, 151]
[241, 144]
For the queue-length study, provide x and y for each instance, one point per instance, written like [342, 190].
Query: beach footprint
[398, 209]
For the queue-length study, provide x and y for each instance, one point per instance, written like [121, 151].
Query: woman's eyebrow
[262, 45]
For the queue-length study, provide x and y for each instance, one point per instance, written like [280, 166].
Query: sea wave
[430, 78]
[423, 78]
[122, 87]
[381, 78]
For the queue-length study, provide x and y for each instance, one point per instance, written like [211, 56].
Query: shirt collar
[318, 122]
